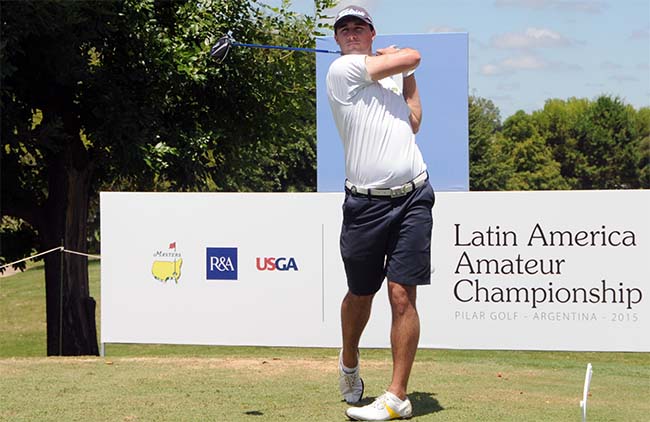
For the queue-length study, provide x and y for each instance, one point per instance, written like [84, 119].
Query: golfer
[387, 222]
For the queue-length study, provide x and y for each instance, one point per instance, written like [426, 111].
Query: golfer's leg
[404, 335]
[355, 311]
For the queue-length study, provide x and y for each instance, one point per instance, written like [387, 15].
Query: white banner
[562, 270]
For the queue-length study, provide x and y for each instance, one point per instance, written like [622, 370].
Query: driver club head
[220, 50]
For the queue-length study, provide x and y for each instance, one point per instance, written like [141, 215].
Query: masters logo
[167, 264]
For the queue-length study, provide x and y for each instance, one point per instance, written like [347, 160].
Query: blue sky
[523, 52]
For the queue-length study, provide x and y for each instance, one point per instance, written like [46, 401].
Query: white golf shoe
[350, 383]
[385, 407]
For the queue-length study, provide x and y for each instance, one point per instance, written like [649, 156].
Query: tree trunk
[71, 329]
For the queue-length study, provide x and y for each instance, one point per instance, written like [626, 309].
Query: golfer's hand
[391, 61]
[388, 50]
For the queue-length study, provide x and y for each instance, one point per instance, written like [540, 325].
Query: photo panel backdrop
[561, 270]
[442, 80]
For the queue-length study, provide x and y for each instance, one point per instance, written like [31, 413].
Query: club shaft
[277, 47]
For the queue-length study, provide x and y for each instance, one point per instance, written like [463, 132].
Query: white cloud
[491, 70]
[514, 86]
[564, 66]
[501, 98]
[641, 34]
[512, 64]
[582, 6]
[366, 4]
[476, 43]
[526, 62]
[445, 28]
[624, 78]
[607, 65]
[369, 5]
[530, 38]
[523, 3]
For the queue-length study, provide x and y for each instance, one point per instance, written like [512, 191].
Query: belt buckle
[398, 191]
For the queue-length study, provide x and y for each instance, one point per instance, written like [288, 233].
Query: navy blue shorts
[387, 237]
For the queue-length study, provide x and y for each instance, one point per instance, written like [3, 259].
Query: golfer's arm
[391, 62]
[412, 97]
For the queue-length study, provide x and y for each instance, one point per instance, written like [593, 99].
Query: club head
[220, 50]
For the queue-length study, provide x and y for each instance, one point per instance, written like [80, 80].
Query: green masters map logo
[167, 264]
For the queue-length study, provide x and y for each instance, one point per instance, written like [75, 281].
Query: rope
[58, 248]
[82, 254]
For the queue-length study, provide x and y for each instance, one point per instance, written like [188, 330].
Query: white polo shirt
[373, 121]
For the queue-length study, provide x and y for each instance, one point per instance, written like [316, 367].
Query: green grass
[199, 383]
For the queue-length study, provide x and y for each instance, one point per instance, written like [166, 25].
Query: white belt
[395, 192]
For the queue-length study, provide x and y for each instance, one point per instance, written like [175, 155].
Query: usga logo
[272, 264]
[221, 263]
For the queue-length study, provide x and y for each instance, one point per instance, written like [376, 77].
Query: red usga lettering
[269, 264]
[272, 264]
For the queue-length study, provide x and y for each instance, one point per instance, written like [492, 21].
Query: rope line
[58, 248]
[82, 254]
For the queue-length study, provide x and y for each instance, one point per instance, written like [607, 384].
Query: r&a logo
[221, 263]
[272, 264]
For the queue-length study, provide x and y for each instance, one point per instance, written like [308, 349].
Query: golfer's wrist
[408, 73]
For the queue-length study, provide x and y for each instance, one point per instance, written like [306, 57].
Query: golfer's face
[355, 37]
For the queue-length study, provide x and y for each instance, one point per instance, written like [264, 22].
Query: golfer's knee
[352, 298]
[402, 300]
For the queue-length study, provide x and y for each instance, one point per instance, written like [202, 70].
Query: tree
[534, 167]
[531, 159]
[498, 167]
[605, 138]
[485, 170]
[642, 146]
[557, 123]
[97, 95]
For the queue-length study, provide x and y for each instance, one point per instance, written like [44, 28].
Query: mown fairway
[190, 383]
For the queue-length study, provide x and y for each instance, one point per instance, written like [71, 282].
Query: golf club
[220, 50]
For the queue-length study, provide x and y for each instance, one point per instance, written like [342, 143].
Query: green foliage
[572, 144]
[494, 169]
[484, 145]
[558, 124]
[534, 167]
[642, 147]
[605, 138]
[484, 122]
[127, 90]
[124, 95]
[16, 236]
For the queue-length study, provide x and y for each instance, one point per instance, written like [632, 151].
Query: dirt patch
[269, 366]
[273, 364]
[8, 272]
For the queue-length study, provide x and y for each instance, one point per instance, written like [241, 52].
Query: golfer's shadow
[423, 403]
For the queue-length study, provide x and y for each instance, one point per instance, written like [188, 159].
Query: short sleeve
[346, 76]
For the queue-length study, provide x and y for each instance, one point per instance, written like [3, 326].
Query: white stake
[585, 393]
